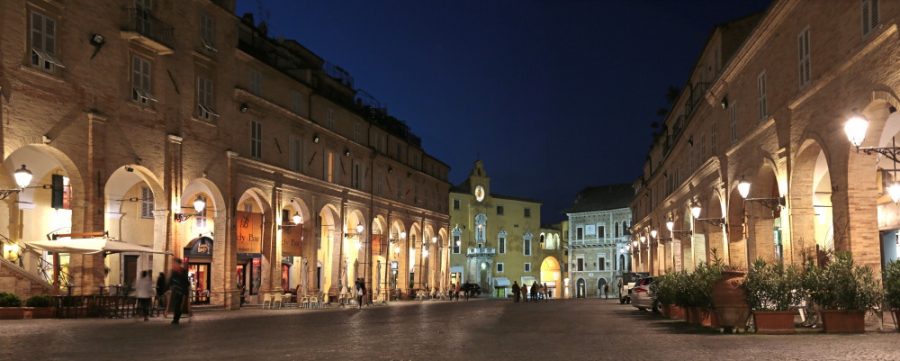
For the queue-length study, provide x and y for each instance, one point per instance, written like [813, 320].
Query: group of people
[534, 293]
[178, 285]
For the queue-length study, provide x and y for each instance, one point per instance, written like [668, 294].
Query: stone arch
[737, 243]
[714, 231]
[257, 198]
[811, 208]
[764, 222]
[327, 255]
[210, 224]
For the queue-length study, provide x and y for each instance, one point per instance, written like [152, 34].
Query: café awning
[501, 282]
[89, 246]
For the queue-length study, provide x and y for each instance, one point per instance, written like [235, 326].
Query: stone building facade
[764, 110]
[599, 240]
[131, 113]
[496, 240]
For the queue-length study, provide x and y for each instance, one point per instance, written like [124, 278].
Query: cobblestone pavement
[479, 330]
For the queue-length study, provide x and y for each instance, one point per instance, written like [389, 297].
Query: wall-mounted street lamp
[653, 233]
[670, 225]
[22, 177]
[772, 203]
[856, 128]
[296, 220]
[696, 209]
[199, 206]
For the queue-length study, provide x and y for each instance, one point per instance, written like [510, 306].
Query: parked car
[642, 296]
[626, 283]
[473, 288]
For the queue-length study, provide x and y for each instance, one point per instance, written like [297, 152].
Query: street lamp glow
[23, 177]
[695, 210]
[359, 228]
[297, 218]
[643, 239]
[458, 243]
[856, 128]
[894, 192]
[744, 188]
[402, 235]
[634, 244]
[670, 225]
[425, 253]
[653, 233]
[434, 239]
[199, 204]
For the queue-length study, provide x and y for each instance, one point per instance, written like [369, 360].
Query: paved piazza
[479, 329]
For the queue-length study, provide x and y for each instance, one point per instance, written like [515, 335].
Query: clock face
[479, 193]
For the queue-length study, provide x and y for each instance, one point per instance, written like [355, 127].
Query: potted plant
[771, 291]
[41, 306]
[663, 288]
[892, 288]
[704, 279]
[727, 295]
[844, 291]
[10, 306]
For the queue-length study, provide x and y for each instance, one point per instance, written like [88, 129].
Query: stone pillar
[160, 229]
[274, 244]
[224, 265]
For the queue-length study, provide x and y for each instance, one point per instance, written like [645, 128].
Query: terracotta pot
[665, 310]
[707, 317]
[729, 300]
[693, 315]
[774, 322]
[844, 321]
[11, 313]
[676, 312]
[897, 317]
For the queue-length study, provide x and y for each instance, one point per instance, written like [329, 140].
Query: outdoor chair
[277, 300]
[303, 302]
[314, 302]
[286, 300]
[267, 300]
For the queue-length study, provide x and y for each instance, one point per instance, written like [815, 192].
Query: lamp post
[856, 128]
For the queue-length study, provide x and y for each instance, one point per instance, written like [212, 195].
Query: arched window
[501, 242]
[457, 240]
[617, 229]
[526, 243]
[625, 230]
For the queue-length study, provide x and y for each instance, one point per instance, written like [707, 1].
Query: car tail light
[639, 290]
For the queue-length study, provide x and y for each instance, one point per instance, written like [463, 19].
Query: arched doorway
[253, 269]
[355, 229]
[296, 226]
[601, 285]
[764, 217]
[551, 276]
[737, 244]
[134, 214]
[329, 234]
[396, 259]
[580, 289]
[379, 258]
[193, 225]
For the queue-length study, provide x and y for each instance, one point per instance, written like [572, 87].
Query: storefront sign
[249, 232]
[291, 240]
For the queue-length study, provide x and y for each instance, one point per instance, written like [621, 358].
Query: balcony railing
[143, 27]
[481, 251]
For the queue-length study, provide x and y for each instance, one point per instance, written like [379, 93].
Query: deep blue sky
[554, 95]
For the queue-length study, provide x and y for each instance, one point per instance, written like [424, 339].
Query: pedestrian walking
[606, 291]
[546, 292]
[515, 291]
[143, 291]
[360, 291]
[456, 292]
[178, 286]
[534, 291]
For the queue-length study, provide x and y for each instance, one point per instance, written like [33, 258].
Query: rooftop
[600, 198]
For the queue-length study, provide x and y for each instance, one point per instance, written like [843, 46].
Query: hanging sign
[291, 240]
[249, 232]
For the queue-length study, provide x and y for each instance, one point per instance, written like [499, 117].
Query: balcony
[481, 251]
[145, 29]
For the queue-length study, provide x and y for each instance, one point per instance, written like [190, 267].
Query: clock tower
[479, 182]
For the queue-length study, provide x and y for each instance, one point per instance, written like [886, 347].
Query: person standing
[360, 291]
[546, 292]
[143, 291]
[606, 291]
[178, 286]
[161, 291]
[456, 291]
[524, 290]
[534, 291]
[515, 291]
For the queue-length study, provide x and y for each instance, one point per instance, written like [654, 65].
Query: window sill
[141, 108]
[206, 122]
[55, 76]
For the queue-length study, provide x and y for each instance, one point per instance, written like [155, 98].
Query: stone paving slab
[475, 330]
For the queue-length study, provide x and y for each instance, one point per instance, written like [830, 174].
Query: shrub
[892, 284]
[663, 288]
[39, 301]
[9, 300]
[772, 287]
[842, 285]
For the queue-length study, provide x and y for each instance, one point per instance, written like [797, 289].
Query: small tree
[772, 287]
[892, 284]
[842, 285]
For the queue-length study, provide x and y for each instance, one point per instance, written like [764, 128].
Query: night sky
[553, 95]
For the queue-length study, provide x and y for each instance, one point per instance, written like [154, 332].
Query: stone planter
[897, 317]
[844, 321]
[39, 312]
[729, 300]
[11, 313]
[692, 315]
[774, 322]
[665, 310]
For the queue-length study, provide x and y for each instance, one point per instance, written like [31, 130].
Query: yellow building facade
[497, 240]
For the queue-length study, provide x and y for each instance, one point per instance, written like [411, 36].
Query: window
[499, 267]
[761, 91]
[579, 233]
[329, 118]
[141, 89]
[328, 170]
[526, 244]
[205, 100]
[255, 139]
[355, 177]
[601, 231]
[527, 212]
[457, 241]
[43, 42]
[146, 203]
[803, 47]
[207, 32]
[580, 264]
[499, 210]
[456, 204]
[480, 227]
[296, 102]
[255, 82]
[617, 229]
[625, 228]
[527, 266]
[295, 157]
[501, 242]
[869, 15]
[601, 264]
[732, 121]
